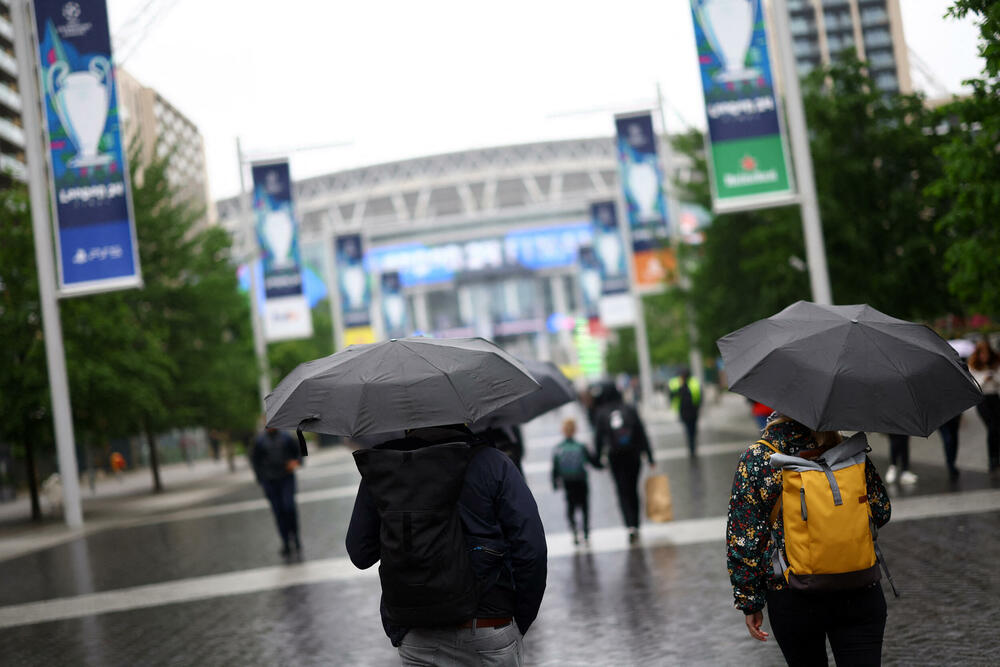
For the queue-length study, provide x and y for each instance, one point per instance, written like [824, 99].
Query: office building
[873, 29]
[12, 158]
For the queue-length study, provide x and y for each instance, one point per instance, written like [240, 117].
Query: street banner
[590, 281]
[91, 198]
[747, 148]
[286, 308]
[642, 181]
[394, 306]
[355, 292]
[609, 248]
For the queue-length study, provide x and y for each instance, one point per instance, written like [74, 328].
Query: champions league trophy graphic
[395, 310]
[728, 26]
[81, 101]
[610, 249]
[643, 181]
[352, 278]
[279, 230]
[590, 282]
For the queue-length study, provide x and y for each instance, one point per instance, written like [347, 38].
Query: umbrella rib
[446, 377]
[906, 379]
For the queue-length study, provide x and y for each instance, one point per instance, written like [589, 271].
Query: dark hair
[992, 359]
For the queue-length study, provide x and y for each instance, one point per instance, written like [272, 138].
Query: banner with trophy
[642, 181]
[286, 309]
[590, 281]
[355, 292]
[394, 306]
[609, 248]
[748, 151]
[91, 199]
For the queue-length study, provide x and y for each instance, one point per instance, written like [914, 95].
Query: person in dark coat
[275, 457]
[619, 431]
[507, 552]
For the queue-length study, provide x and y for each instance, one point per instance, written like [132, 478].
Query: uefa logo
[71, 12]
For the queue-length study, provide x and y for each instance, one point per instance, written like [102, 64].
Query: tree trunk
[154, 460]
[29, 459]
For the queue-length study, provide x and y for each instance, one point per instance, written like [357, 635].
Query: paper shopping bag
[658, 504]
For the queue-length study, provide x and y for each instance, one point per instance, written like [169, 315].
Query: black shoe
[285, 551]
[633, 535]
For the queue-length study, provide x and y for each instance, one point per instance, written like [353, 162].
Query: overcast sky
[402, 79]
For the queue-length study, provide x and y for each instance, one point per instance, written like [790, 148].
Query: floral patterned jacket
[756, 488]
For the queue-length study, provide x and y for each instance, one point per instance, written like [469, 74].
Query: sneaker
[576, 539]
[633, 536]
[907, 478]
[890, 475]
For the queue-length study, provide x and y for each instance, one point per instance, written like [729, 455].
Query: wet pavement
[202, 583]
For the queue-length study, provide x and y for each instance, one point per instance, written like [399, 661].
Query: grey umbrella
[398, 384]
[849, 368]
[556, 390]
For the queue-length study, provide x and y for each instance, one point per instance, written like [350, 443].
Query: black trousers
[949, 438]
[854, 622]
[989, 411]
[899, 451]
[281, 494]
[625, 470]
[577, 498]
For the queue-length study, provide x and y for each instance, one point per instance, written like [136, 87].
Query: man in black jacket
[619, 431]
[505, 544]
[275, 457]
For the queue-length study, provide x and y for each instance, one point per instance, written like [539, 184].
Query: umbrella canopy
[556, 390]
[398, 384]
[849, 368]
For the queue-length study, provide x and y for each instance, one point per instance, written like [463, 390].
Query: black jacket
[271, 454]
[502, 527]
[602, 435]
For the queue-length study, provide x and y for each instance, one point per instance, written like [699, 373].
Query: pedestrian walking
[984, 364]
[569, 468]
[767, 540]
[620, 432]
[685, 396]
[461, 545]
[275, 457]
[899, 460]
[949, 439]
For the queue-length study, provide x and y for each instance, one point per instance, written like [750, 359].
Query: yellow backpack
[830, 536]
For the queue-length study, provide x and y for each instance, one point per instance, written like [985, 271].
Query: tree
[24, 390]
[968, 189]
[873, 155]
[284, 356]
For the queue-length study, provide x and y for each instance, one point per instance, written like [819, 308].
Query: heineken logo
[750, 174]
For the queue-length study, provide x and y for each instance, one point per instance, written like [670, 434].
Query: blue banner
[609, 248]
[95, 231]
[590, 281]
[394, 306]
[355, 292]
[286, 312]
[642, 181]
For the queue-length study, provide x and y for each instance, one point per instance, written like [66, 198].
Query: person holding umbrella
[826, 369]
[450, 520]
[985, 366]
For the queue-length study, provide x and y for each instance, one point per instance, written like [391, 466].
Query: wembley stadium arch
[485, 241]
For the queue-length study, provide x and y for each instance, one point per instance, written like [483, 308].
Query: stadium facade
[485, 241]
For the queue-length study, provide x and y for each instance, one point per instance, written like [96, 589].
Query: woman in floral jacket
[853, 620]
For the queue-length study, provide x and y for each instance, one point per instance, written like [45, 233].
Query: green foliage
[873, 156]
[666, 328]
[968, 189]
[24, 389]
[284, 356]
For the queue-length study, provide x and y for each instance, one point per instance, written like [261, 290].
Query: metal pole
[812, 228]
[641, 338]
[332, 283]
[55, 356]
[259, 345]
[683, 280]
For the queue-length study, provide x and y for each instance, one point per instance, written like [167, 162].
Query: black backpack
[427, 580]
[621, 426]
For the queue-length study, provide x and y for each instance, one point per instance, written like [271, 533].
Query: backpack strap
[777, 506]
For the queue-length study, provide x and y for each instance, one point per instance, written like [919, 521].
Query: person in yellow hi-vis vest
[685, 397]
